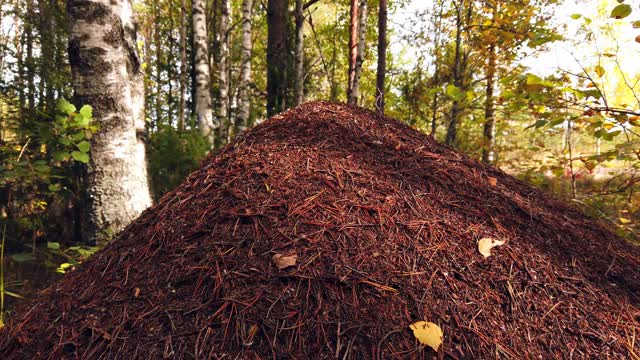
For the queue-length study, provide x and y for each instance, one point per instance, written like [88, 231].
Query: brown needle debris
[384, 223]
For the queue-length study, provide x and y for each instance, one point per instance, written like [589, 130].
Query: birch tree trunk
[299, 54]
[353, 49]
[362, 32]
[183, 64]
[202, 75]
[106, 75]
[223, 66]
[244, 105]
[158, 64]
[382, 56]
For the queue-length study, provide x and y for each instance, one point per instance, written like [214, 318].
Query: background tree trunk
[244, 105]
[202, 76]
[223, 68]
[450, 138]
[436, 72]
[299, 55]
[353, 49]
[183, 64]
[362, 37]
[277, 16]
[382, 56]
[30, 63]
[106, 75]
[158, 44]
[489, 111]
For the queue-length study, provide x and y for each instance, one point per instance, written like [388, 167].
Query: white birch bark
[106, 75]
[223, 111]
[244, 103]
[202, 93]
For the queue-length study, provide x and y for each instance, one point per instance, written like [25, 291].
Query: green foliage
[41, 167]
[172, 156]
[621, 11]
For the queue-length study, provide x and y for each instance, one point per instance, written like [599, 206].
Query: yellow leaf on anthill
[486, 244]
[427, 333]
[624, 221]
[283, 262]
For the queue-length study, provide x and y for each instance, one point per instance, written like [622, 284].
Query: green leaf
[576, 16]
[65, 107]
[84, 146]
[80, 120]
[595, 93]
[53, 245]
[538, 124]
[80, 156]
[54, 187]
[599, 70]
[78, 136]
[621, 11]
[636, 24]
[534, 82]
[455, 92]
[22, 257]
[42, 168]
[86, 111]
[60, 155]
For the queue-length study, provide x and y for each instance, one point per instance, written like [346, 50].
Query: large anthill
[326, 232]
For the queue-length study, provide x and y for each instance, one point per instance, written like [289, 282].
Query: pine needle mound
[326, 232]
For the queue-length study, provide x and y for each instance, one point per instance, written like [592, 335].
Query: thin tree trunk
[489, 116]
[47, 48]
[31, 87]
[299, 54]
[202, 77]
[353, 49]
[147, 74]
[244, 106]
[277, 14]
[382, 56]
[169, 68]
[158, 44]
[106, 75]
[436, 72]
[183, 64]
[334, 60]
[223, 111]
[457, 79]
[362, 32]
[21, 73]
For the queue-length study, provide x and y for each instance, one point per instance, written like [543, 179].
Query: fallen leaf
[624, 221]
[492, 181]
[137, 292]
[427, 333]
[283, 262]
[486, 244]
